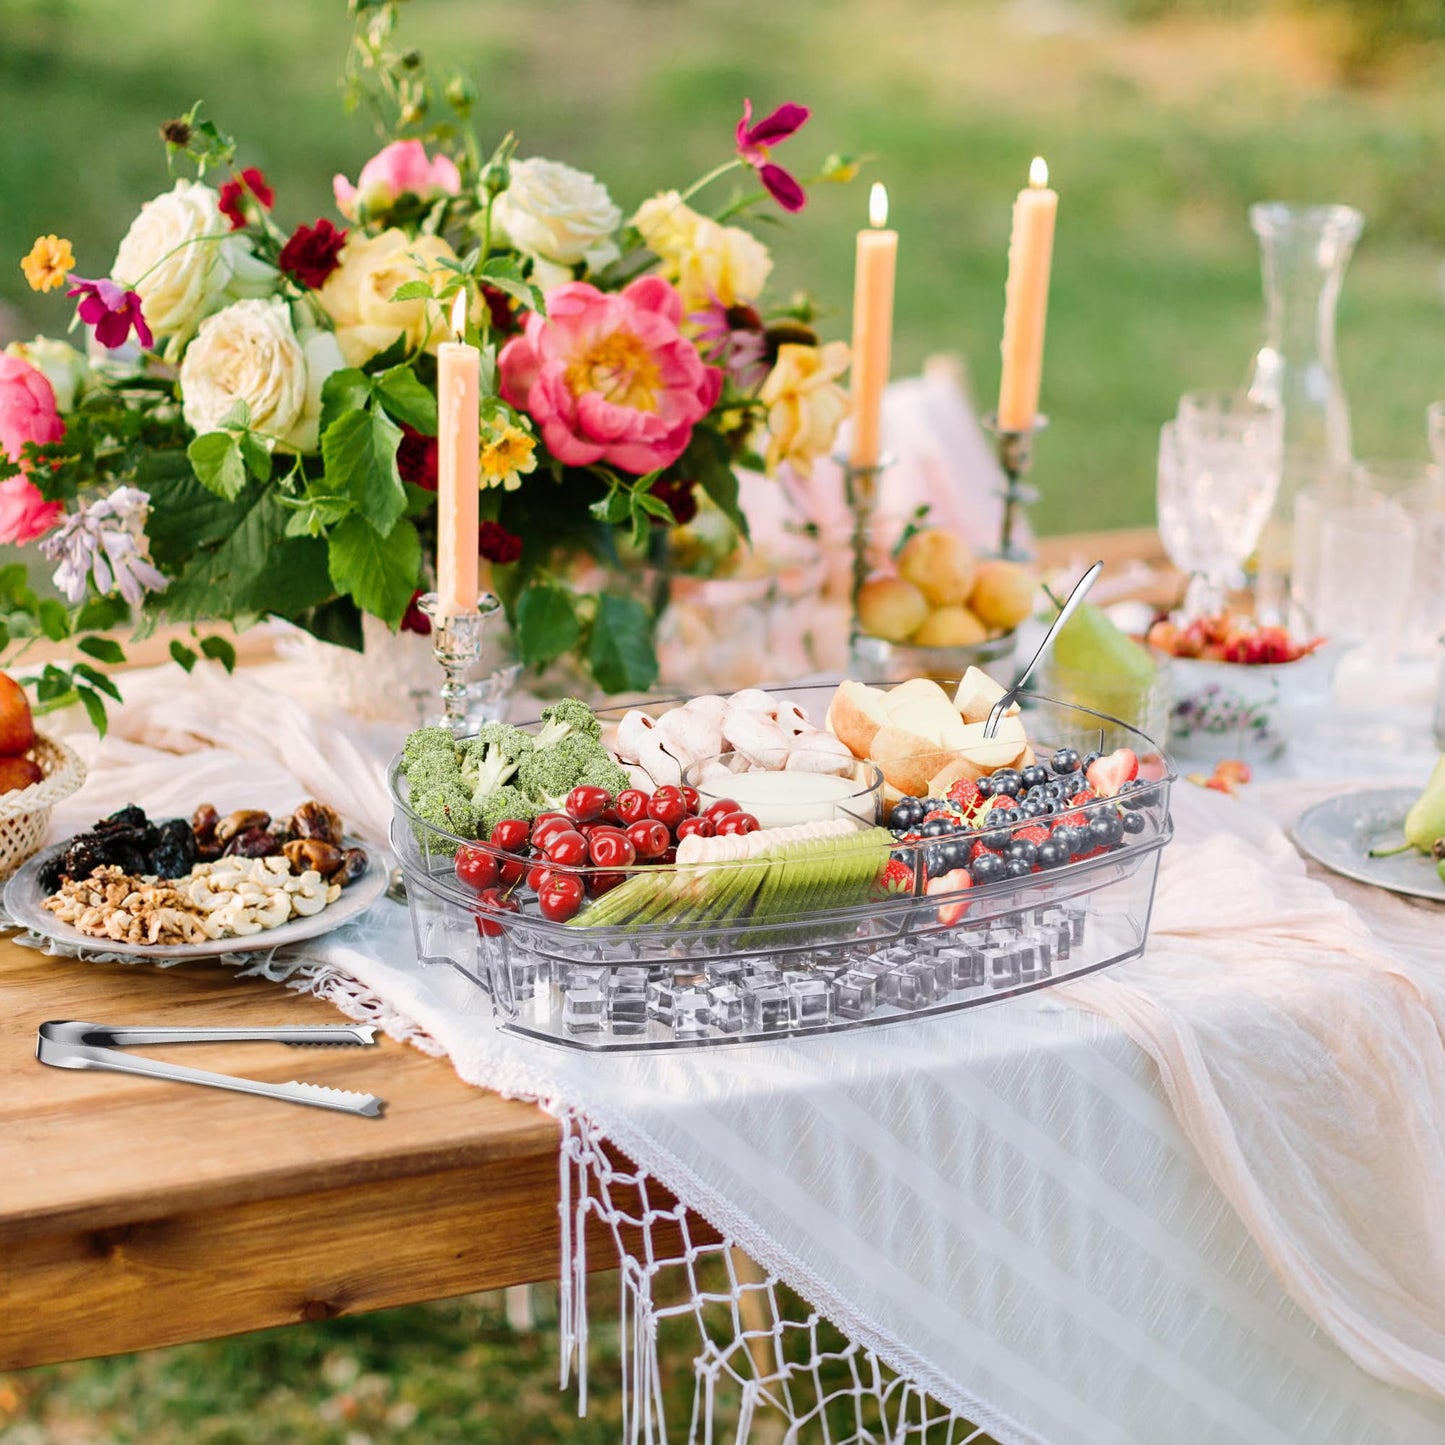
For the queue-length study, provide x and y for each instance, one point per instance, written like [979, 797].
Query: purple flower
[105, 541]
[734, 338]
[754, 141]
[111, 310]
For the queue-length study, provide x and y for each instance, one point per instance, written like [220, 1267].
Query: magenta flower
[734, 338]
[111, 311]
[754, 141]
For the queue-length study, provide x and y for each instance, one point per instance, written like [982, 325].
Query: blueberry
[1138, 794]
[938, 828]
[1031, 807]
[1066, 760]
[1007, 783]
[935, 862]
[1024, 848]
[985, 787]
[1106, 830]
[1051, 855]
[955, 852]
[998, 840]
[1047, 807]
[1071, 840]
[1033, 775]
[1133, 822]
[987, 868]
[907, 814]
[1017, 868]
[1089, 760]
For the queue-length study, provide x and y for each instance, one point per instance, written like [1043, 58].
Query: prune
[173, 856]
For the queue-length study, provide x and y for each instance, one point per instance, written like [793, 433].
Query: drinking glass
[1219, 469]
[1363, 569]
[1418, 488]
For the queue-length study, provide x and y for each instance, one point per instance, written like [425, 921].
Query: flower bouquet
[250, 431]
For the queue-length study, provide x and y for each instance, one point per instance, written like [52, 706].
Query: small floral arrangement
[250, 430]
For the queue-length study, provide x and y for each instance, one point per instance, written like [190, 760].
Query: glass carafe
[1304, 251]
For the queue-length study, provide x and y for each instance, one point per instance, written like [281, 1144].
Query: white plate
[1341, 831]
[24, 902]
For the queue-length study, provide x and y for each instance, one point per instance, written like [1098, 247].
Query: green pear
[1095, 665]
[1425, 822]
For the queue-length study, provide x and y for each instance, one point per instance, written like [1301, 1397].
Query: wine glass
[1220, 462]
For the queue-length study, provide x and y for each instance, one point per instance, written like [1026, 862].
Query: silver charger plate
[1340, 832]
[24, 902]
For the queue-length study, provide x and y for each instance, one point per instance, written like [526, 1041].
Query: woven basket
[25, 812]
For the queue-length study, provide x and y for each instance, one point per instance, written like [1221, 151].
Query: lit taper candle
[1030, 254]
[459, 369]
[872, 328]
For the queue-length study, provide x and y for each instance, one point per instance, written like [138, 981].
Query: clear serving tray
[679, 980]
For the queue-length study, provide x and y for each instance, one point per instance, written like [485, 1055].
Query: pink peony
[27, 414]
[610, 378]
[394, 170]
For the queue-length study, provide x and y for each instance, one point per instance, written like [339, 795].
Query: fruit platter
[196, 887]
[716, 870]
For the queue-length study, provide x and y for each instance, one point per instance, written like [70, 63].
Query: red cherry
[611, 816]
[668, 806]
[690, 797]
[721, 809]
[476, 866]
[649, 838]
[611, 848]
[690, 827]
[668, 855]
[736, 824]
[490, 904]
[549, 817]
[569, 849]
[537, 876]
[509, 871]
[586, 803]
[511, 835]
[560, 898]
[600, 883]
[631, 805]
[544, 832]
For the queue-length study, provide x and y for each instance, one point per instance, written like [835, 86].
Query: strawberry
[897, 877]
[1107, 775]
[964, 795]
[1000, 804]
[952, 882]
[1084, 795]
[1035, 833]
[942, 813]
[978, 850]
[1071, 820]
[1233, 770]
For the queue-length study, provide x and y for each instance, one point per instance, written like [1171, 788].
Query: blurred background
[1161, 121]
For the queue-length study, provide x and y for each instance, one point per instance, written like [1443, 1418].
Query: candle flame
[878, 205]
[459, 315]
[1038, 173]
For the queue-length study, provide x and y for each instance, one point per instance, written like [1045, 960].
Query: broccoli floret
[435, 788]
[435, 742]
[491, 758]
[603, 772]
[547, 775]
[503, 804]
[450, 811]
[567, 718]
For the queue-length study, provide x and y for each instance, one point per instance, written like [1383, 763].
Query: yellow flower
[50, 261]
[703, 259]
[357, 295]
[508, 453]
[805, 403]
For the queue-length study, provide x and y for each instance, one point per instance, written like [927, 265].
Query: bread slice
[855, 715]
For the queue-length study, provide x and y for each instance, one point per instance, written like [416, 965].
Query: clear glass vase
[1304, 251]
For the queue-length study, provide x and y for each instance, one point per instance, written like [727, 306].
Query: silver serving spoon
[1071, 603]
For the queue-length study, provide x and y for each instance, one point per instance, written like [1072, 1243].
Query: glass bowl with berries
[1236, 682]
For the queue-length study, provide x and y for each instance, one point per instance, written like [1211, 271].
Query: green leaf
[94, 706]
[256, 458]
[103, 649]
[51, 684]
[336, 621]
[54, 619]
[343, 391]
[412, 291]
[620, 651]
[96, 679]
[4, 636]
[706, 459]
[99, 614]
[183, 654]
[237, 417]
[216, 456]
[219, 650]
[359, 450]
[379, 573]
[407, 399]
[419, 501]
[547, 625]
[505, 274]
[315, 511]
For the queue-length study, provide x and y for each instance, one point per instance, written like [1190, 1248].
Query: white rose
[182, 258]
[558, 216]
[65, 368]
[323, 356]
[248, 352]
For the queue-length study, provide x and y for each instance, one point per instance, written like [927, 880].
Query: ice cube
[583, 1010]
[1076, 913]
[966, 964]
[855, 995]
[661, 1001]
[810, 999]
[725, 1006]
[584, 976]
[913, 986]
[627, 980]
[691, 1009]
[1033, 963]
[1002, 964]
[765, 1010]
[724, 970]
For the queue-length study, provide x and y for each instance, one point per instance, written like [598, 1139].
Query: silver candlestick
[457, 646]
[1015, 455]
[860, 484]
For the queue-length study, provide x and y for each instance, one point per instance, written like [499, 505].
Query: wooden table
[135, 1213]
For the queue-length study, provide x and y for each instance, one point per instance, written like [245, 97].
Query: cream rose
[706, 261]
[249, 353]
[357, 295]
[805, 403]
[558, 216]
[182, 258]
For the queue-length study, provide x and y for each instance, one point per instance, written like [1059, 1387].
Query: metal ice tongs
[70, 1044]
